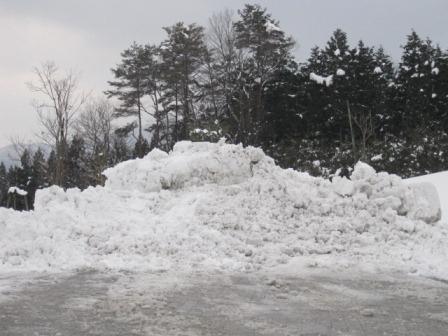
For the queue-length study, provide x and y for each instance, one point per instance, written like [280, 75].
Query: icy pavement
[93, 303]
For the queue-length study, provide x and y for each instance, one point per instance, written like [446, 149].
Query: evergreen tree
[39, 176]
[77, 176]
[415, 85]
[3, 185]
[120, 150]
[182, 52]
[131, 85]
[439, 90]
[327, 103]
[385, 86]
[267, 52]
[141, 148]
[51, 164]
[25, 171]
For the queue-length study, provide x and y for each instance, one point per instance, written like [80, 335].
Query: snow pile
[190, 164]
[224, 207]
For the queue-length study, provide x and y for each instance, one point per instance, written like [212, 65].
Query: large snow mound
[220, 206]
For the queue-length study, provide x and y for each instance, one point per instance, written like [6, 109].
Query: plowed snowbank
[225, 207]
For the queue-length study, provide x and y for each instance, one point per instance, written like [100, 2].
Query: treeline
[238, 78]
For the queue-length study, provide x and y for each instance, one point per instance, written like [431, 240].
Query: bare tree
[60, 101]
[19, 145]
[221, 41]
[94, 125]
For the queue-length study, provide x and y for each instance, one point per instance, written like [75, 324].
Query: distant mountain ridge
[10, 157]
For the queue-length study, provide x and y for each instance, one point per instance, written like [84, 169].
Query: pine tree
[25, 171]
[3, 185]
[318, 113]
[76, 165]
[120, 150]
[51, 164]
[328, 86]
[182, 52]
[141, 148]
[415, 85]
[39, 175]
[131, 85]
[385, 87]
[440, 76]
[268, 52]
[152, 60]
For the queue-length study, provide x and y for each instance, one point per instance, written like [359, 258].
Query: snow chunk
[188, 164]
[427, 204]
[343, 186]
[337, 52]
[435, 71]
[340, 72]
[17, 190]
[378, 70]
[271, 27]
[376, 158]
[362, 171]
[327, 81]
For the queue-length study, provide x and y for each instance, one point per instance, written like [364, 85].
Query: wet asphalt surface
[102, 303]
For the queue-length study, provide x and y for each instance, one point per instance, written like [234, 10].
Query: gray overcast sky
[88, 36]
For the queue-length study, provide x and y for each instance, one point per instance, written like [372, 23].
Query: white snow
[271, 27]
[17, 190]
[435, 71]
[440, 182]
[219, 206]
[337, 52]
[340, 72]
[378, 70]
[327, 81]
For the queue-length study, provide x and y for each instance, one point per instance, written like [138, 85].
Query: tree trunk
[351, 131]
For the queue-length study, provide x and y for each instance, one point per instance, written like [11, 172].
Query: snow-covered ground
[215, 207]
